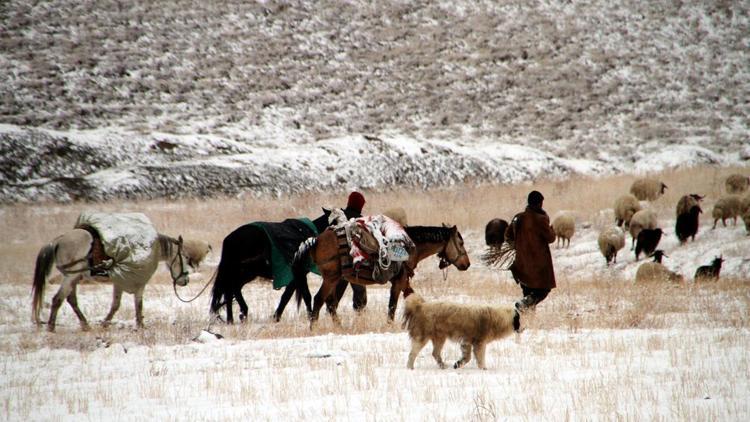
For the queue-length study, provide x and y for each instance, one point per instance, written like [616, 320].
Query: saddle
[98, 260]
[367, 269]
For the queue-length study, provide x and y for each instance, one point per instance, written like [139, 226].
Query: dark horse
[246, 255]
[444, 241]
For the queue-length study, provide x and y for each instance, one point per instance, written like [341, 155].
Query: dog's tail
[516, 321]
[412, 307]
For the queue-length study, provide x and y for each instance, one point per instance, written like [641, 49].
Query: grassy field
[577, 303]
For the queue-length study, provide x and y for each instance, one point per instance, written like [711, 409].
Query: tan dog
[471, 325]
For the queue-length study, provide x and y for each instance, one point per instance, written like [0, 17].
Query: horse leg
[359, 297]
[325, 290]
[396, 288]
[304, 291]
[242, 304]
[332, 301]
[65, 289]
[288, 291]
[138, 297]
[116, 298]
[73, 302]
[229, 302]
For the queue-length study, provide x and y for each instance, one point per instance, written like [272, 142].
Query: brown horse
[324, 250]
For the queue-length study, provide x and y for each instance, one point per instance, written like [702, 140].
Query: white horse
[71, 253]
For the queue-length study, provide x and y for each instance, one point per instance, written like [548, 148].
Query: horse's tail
[304, 249]
[301, 289]
[218, 289]
[44, 261]
[412, 308]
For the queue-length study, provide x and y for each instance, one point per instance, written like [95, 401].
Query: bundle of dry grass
[471, 325]
[499, 256]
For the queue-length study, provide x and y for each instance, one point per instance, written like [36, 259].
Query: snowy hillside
[106, 100]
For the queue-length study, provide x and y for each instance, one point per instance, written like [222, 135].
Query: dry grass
[577, 304]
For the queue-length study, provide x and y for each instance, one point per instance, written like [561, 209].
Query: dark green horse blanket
[285, 238]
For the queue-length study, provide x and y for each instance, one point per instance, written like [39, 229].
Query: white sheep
[398, 214]
[643, 219]
[564, 227]
[647, 189]
[737, 183]
[196, 251]
[610, 241]
[654, 271]
[728, 206]
[625, 207]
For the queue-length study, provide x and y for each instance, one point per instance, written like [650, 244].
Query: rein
[183, 272]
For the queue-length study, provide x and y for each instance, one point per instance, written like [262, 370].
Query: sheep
[745, 204]
[655, 271]
[610, 241]
[687, 224]
[494, 232]
[643, 219]
[726, 207]
[709, 272]
[625, 207]
[398, 214]
[737, 183]
[196, 251]
[564, 226]
[658, 255]
[746, 220]
[647, 189]
[687, 202]
[648, 240]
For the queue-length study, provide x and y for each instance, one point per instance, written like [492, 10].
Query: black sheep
[648, 240]
[494, 232]
[658, 254]
[687, 224]
[709, 272]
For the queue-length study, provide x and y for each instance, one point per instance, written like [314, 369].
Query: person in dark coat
[354, 205]
[531, 233]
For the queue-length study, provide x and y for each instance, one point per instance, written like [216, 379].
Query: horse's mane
[166, 243]
[428, 234]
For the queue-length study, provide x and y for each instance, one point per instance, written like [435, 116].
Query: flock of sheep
[645, 234]
[642, 224]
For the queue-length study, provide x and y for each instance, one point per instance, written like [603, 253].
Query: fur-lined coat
[531, 233]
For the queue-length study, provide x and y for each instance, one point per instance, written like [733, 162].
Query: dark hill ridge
[579, 81]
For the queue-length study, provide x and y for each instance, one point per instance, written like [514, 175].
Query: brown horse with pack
[348, 254]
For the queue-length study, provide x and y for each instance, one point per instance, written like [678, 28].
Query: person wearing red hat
[354, 205]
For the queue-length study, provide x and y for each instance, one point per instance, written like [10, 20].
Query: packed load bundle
[376, 247]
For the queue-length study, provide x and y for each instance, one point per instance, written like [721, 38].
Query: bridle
[178, 255]
[443, 255]
[183, 273]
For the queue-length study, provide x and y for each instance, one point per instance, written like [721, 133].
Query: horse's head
[454, 252]
[178, 263]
